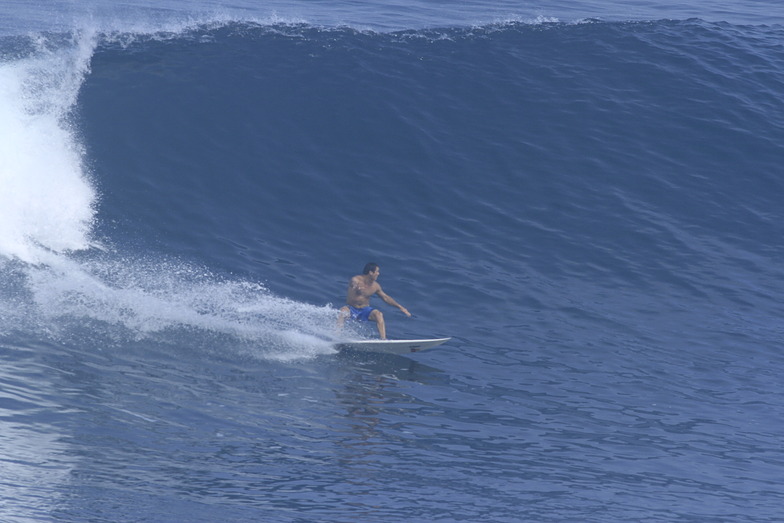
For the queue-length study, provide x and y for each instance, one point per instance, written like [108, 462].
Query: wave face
[592, 210]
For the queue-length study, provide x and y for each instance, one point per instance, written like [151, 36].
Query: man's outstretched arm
[390, 301]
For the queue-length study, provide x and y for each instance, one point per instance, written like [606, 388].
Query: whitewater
[585, 196]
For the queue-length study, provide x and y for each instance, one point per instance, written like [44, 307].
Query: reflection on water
[34, 457]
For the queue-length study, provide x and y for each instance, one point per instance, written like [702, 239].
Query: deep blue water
[586, 197]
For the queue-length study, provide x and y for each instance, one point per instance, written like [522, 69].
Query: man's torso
[360, 291]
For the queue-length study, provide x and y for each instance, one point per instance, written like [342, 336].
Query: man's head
[370, 268]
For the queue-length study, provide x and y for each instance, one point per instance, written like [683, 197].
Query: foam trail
[146, 299]
[46, 200]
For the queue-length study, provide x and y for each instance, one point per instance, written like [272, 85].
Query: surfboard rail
[391, 346]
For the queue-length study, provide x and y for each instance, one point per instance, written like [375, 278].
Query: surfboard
[391, 346]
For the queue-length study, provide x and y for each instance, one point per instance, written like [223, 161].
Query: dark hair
[370, 267]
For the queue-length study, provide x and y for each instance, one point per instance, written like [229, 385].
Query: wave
[58, 280]
[238, 146]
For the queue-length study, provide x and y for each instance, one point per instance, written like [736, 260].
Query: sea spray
[47, 202]
[131, 298]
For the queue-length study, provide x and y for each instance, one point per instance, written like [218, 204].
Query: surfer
[360, 289]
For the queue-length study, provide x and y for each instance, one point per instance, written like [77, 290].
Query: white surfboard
[391, 346]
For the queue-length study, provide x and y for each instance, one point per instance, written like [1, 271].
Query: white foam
[46, 199]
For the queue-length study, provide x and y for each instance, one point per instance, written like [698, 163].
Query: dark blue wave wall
[492, 171]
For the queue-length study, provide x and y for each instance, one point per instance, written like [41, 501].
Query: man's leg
[343, 314]
[379, 319]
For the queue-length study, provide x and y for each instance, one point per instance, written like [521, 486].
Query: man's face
[375, 273]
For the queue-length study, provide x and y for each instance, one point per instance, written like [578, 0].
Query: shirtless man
[360, 289]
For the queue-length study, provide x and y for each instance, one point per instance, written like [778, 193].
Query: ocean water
[587, 196]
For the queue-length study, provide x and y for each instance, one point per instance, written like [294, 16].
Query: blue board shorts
[362, 314]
